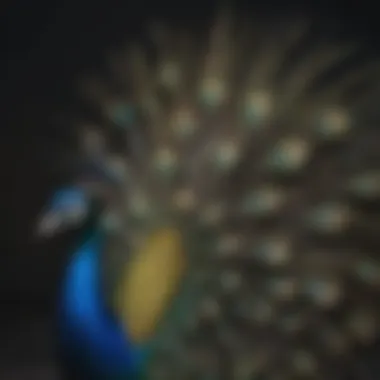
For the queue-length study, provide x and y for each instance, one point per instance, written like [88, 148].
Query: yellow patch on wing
[150, 282]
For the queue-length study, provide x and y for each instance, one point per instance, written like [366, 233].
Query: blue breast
[90, 337]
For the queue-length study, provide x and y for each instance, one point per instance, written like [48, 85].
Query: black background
[46, 46]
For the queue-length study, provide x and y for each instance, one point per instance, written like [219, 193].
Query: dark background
[47, 45]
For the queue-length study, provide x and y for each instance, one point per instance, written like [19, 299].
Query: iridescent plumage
[250, 165]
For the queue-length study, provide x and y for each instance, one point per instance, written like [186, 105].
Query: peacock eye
[212, 92]
[257, 108]
[333, 124]
[123, 115]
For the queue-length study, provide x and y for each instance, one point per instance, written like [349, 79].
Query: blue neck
[90, 337]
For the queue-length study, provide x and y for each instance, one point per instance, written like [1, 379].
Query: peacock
[236, 170]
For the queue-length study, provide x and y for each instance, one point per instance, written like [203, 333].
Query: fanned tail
[260, 150]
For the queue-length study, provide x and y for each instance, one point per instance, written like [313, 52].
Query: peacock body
[240, 199]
